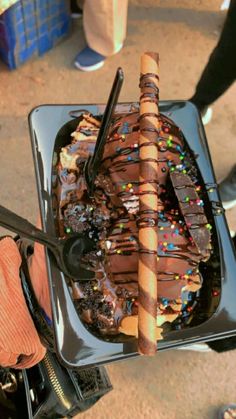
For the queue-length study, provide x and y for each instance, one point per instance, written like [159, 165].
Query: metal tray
[215, 314]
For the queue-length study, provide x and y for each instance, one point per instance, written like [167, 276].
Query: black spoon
[68, 252]
[93, 163]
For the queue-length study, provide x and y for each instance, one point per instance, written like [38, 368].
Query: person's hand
[20, 345]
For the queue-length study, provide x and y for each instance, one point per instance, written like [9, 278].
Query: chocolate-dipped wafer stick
[148, 204]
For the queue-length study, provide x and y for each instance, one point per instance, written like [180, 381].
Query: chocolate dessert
[108, 304]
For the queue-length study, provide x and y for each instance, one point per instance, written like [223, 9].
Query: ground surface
[174, 384]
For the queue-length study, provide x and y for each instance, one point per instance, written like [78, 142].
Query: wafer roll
[148, 204]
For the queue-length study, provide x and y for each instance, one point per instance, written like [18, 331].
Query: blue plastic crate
[32, 27]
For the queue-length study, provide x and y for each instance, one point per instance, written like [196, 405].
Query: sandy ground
[174, 384]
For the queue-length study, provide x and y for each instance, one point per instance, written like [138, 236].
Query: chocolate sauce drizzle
[146, 82]
[143, 220]
[122, 230]
[146, 114]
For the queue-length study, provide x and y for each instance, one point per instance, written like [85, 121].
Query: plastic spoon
[68, 252]
[93, 163]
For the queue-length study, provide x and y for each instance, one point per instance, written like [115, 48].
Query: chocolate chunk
[193, 213]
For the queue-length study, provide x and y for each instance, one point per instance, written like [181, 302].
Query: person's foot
[89, 60]
[227, 412]
[205, 111]
[75, 10]
[227, 190]
[225, 5]
[206, 115]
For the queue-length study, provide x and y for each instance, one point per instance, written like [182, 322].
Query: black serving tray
[215, 314]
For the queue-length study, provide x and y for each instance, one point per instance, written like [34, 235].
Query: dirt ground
[174, 384]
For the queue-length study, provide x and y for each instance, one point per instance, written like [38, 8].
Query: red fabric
[20, 345]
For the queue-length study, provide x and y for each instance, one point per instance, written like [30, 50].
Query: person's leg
[220, 71]
[105, 23]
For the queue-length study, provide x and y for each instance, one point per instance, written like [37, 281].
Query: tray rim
[124, 351]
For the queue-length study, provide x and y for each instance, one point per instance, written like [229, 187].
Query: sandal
[227, 412]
